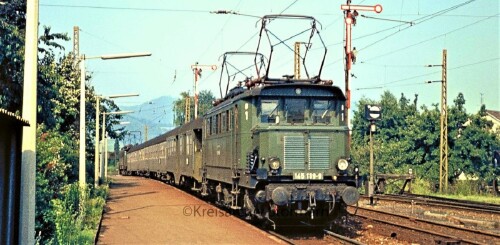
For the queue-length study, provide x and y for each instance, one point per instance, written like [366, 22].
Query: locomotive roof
[268, 90]
[192, 125]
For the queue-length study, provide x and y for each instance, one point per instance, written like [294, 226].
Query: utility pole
[28, 157]
[350, 19]
[145, 132]
[443, 145]
[96, 150]
[197, 73]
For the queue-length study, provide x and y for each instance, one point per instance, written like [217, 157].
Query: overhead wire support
[233, 12]
[376, 18]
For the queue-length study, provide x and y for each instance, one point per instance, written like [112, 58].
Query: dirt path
[144, 211]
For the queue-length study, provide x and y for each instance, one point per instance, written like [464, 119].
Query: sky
[394, 47]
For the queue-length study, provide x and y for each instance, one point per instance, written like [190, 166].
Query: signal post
[372, 113]
[197, 73]
[350, 19]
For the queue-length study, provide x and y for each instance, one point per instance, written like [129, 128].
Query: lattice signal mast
[187, 109]
[297, 59]
[350, 19]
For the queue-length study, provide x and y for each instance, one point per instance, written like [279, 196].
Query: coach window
[174, 149]
[295, 110]
[213, 124]
[230, 120]
[208, 126]
[189, 144]
[269, 110]
[181, 144]
[322, 111]
[224, 122]
[236, 115]
[218, 117]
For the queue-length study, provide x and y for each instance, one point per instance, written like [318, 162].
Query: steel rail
[283, 238]
[343, 238]
[414, 219]
[437, 203]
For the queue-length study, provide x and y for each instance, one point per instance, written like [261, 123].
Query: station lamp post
[104, 166]
[97, 109]
[82, 58]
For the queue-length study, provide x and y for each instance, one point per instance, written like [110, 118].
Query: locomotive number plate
[308, 176]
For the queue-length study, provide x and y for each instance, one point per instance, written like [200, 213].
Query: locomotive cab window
[269, 111]
[295, 110]
[322, 111]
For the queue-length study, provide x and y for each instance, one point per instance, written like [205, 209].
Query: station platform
[145, 211]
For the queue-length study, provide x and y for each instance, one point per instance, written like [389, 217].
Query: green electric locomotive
[272, 149]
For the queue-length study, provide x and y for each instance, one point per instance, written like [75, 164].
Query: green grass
[461, 190]
[476, 198]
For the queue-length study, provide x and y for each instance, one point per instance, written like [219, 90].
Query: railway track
[342, 239]
[282, 237]
[430, 231]
[444, 202]
[315, 236]
[441, 202]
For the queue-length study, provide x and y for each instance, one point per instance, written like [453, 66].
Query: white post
[81, 170]
[28, 158]
[106, 157]
[196, 93]
[96, 153]
[102, 149]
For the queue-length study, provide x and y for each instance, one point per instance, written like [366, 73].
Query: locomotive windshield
[269, 111]
[322, 111]
[298, 110]
[295, 110]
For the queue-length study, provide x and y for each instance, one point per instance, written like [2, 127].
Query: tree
[409, 138]
[205, 99]
[11, 64]
[56, 154]
[57, 115]
[180, 109]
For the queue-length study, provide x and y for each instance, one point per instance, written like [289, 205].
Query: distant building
[494, 117]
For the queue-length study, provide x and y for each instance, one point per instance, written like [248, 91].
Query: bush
[421, 187]
[465, 188]
[77, 214]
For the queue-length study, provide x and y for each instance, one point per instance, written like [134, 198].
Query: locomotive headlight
[274, 163]
[342, 164]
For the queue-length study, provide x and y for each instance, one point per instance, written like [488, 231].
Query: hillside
[156, 115]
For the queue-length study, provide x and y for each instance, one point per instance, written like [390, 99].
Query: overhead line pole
[443, 145]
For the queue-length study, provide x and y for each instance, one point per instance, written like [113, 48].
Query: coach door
[235, 139]
[197, 140]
